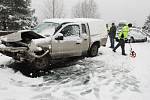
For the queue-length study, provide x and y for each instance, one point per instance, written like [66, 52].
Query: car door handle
[78, 43]
[85, 39]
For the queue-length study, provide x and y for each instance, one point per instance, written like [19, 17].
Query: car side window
[71, 30]
[136, 33]
[133, 32]
[84, 29]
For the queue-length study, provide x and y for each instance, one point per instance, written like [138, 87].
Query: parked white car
[135, 35]
[56, 39]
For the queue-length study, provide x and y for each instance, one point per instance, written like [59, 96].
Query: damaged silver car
[54, 39]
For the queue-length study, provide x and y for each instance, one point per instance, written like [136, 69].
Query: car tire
[41, 63]
[132, 40]
[145, 39]
[93, 50]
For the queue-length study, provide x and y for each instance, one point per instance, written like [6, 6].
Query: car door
[71, 43]
[85, 38]
[140, 35]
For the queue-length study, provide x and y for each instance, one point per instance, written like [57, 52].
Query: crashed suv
[55, 39]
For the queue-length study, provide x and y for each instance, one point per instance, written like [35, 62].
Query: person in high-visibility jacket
[122, 37]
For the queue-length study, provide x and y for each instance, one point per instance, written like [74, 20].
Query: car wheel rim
[41, 63]
[94, 50]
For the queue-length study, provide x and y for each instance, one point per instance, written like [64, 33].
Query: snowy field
[109, 76]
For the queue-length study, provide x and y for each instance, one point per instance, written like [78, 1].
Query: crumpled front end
[23, 46]
[38, 59]
[16, 53]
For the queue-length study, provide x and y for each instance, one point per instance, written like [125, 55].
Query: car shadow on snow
[85, 77]
[26, 69]
[87, 74]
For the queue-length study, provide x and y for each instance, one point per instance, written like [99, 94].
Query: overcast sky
[134, 11]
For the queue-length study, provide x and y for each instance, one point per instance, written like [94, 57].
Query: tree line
[147, 24]
[15, 14]
[18, 14]
[83, 9]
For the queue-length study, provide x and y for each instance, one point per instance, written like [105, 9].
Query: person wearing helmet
[122, 37]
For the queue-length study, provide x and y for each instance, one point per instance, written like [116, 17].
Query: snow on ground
[109, 76]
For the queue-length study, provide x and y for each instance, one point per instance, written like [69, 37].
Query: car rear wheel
[93, 50]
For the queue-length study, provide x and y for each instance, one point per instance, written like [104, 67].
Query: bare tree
[86, 9]
[146, 26]
[53, 9]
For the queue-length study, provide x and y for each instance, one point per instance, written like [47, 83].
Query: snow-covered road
[109, 76]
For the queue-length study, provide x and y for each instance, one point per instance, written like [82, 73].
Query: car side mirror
[59, 36]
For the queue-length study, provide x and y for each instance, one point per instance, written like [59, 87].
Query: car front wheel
[41, 63]
[131, 40]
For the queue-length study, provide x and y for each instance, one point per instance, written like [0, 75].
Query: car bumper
[136, 40]
[17, 53]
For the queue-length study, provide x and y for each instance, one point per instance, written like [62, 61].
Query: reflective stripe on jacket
[124, 32]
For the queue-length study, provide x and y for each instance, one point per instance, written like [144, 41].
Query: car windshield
[121, 24]
[46, 29]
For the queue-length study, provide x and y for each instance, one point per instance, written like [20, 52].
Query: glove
[126, 40]
[122, 36]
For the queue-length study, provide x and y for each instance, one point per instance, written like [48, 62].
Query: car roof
[78, 20]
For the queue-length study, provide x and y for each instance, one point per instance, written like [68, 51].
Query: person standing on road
[112, 35]
[122, 37]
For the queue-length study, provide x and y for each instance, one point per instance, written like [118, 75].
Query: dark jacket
[112, 32]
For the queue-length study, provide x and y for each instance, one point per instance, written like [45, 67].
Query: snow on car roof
[62, 20]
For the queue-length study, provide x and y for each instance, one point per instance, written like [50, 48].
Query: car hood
[12, 37]
[18, 35]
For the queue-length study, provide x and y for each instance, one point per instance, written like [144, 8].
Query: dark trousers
[122, 44]
[112, 42]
